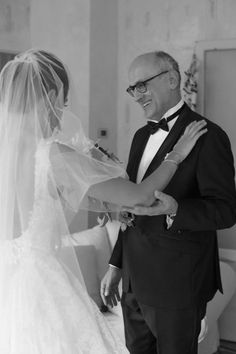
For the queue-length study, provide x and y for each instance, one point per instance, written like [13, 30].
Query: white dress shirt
[155, 141]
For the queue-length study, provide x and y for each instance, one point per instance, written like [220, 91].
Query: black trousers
[150, 330]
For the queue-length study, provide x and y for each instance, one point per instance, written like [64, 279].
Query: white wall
[14, 25]
[63, 28]
[103, 71]
[103, 75]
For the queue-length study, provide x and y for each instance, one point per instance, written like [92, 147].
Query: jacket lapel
[183, 120]
[136, 153]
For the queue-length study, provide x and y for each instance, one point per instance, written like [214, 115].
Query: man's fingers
[102, 293]
[199, 133]
[109, 301]
[104, 299]
[159, 195]
[112, 299]
[164, 204]
[117, 295]
[195, 126]
[107, 291]
[109, 287]
[156, 208]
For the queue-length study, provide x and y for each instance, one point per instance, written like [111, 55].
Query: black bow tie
[153, 127]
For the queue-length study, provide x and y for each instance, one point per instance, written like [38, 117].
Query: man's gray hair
[167, 62]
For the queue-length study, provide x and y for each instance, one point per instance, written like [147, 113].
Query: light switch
[102, 133]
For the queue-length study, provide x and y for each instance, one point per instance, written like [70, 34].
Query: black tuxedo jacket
[179, 267]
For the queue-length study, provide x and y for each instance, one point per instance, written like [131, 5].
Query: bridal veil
[33, 93]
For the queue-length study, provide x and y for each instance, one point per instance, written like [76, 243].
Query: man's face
[156, 100]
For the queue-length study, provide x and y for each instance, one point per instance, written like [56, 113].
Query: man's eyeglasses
[141, 86]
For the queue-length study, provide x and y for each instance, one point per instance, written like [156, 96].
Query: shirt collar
[174, 109]
[171, 111]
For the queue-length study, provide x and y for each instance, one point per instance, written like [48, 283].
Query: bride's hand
[191, 134]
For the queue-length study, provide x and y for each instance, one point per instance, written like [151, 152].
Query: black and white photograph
[117, 177]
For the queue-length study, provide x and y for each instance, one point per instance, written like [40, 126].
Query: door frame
[201, 48]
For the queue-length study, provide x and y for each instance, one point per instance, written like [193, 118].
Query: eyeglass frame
[130, 90]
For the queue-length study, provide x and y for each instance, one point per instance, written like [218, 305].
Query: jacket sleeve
[215, 208]
[116, 257]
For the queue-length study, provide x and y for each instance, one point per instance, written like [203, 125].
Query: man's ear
[173, 79]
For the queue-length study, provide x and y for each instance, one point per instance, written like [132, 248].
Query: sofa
[93, 248]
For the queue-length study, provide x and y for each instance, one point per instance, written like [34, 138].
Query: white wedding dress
[44, 308]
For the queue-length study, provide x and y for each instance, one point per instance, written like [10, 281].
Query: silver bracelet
[168, 157]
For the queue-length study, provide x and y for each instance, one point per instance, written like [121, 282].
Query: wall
[103, 76]
[63, 29]
[103, 71]
[14, 25]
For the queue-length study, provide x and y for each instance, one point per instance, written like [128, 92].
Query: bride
[45, 176]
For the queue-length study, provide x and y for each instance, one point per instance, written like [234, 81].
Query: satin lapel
[136, 153]
[183, 120]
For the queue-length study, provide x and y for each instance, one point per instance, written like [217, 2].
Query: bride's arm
[126, 193]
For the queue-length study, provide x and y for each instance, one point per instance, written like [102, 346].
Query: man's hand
[109, 286]
[164, 204]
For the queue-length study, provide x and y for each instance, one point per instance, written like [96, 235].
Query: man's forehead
[142, 68]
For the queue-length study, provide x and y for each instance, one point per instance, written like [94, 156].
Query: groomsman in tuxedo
[169, 262]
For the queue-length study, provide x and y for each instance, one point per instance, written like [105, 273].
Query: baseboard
[227, 347]
[227, 254]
